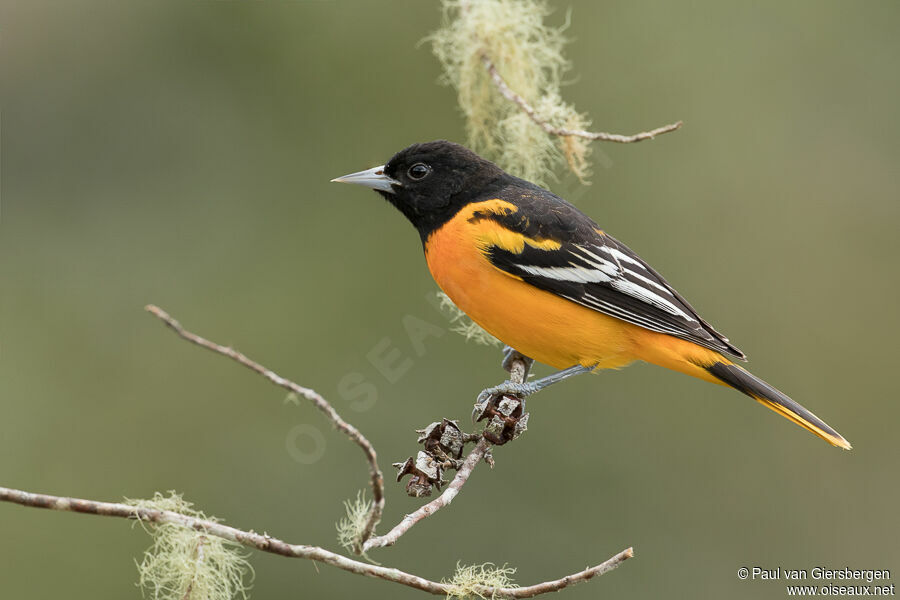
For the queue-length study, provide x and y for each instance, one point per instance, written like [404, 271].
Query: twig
[529, 110]
[266, 543]
[554, 586]
[272, 545]
[518, 369]
[377, 479]
[462, 475]
[518, 372]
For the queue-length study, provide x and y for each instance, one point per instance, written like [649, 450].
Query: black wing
[593, 269]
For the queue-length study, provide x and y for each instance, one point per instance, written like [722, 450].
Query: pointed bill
[373, 178]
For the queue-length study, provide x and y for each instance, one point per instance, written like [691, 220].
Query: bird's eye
[418, 171]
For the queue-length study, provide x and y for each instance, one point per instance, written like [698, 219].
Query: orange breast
[546, 327]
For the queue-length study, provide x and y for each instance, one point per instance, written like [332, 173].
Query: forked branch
[272, 545]
[518, 371]
[375, 476]
[266, 543]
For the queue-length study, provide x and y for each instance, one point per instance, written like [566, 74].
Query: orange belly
[550, 329]
[542, 325]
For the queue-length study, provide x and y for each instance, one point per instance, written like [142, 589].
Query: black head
[430, 182]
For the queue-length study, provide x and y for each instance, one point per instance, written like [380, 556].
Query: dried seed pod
[479, 410]
[521, 426]
[428, 432]
[429, 467]
[507, 406]
[418, 487]
[493, 431]
[444, 440]
[452, 438]
[425, 472]
[404, 468]
[506, 418]
[489, 457]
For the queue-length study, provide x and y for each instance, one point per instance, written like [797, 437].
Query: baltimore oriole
[542, 277]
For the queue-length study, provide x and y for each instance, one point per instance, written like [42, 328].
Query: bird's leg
[523, 390]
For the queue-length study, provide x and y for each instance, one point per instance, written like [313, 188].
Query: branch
[518, 367]
[391, 537]
[529, 110]
[518, 371]
[377, 479]
[272, 545]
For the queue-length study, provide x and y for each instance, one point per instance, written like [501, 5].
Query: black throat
[427, 216]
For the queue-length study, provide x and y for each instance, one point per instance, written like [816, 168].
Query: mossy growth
[184, 564]
[528, 55]
[470, 581]
[350, 528]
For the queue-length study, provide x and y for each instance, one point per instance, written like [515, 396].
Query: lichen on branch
[470, 581]
[528, 55]
[186, 564]
[352, 527]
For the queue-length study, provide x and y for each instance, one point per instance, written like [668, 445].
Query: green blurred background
[179, 153]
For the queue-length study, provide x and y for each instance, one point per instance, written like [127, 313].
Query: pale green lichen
[528, 55]
[463, 325]
[184, 564]
[470, 581]
[351, 527]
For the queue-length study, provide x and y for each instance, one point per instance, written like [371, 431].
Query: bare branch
[272, 545]
[529, 110]
[554, 586]
[377, 479]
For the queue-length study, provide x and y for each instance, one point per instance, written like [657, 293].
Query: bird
[541, 276]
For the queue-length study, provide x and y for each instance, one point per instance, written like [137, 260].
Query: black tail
[762, 392]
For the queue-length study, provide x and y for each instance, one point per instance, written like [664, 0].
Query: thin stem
[425, 511]
[272, 545]
[266, 543]
[375, 476]
[517, 373]
[529, 110]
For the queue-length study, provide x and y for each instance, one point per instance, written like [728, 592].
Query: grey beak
[373, 178]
